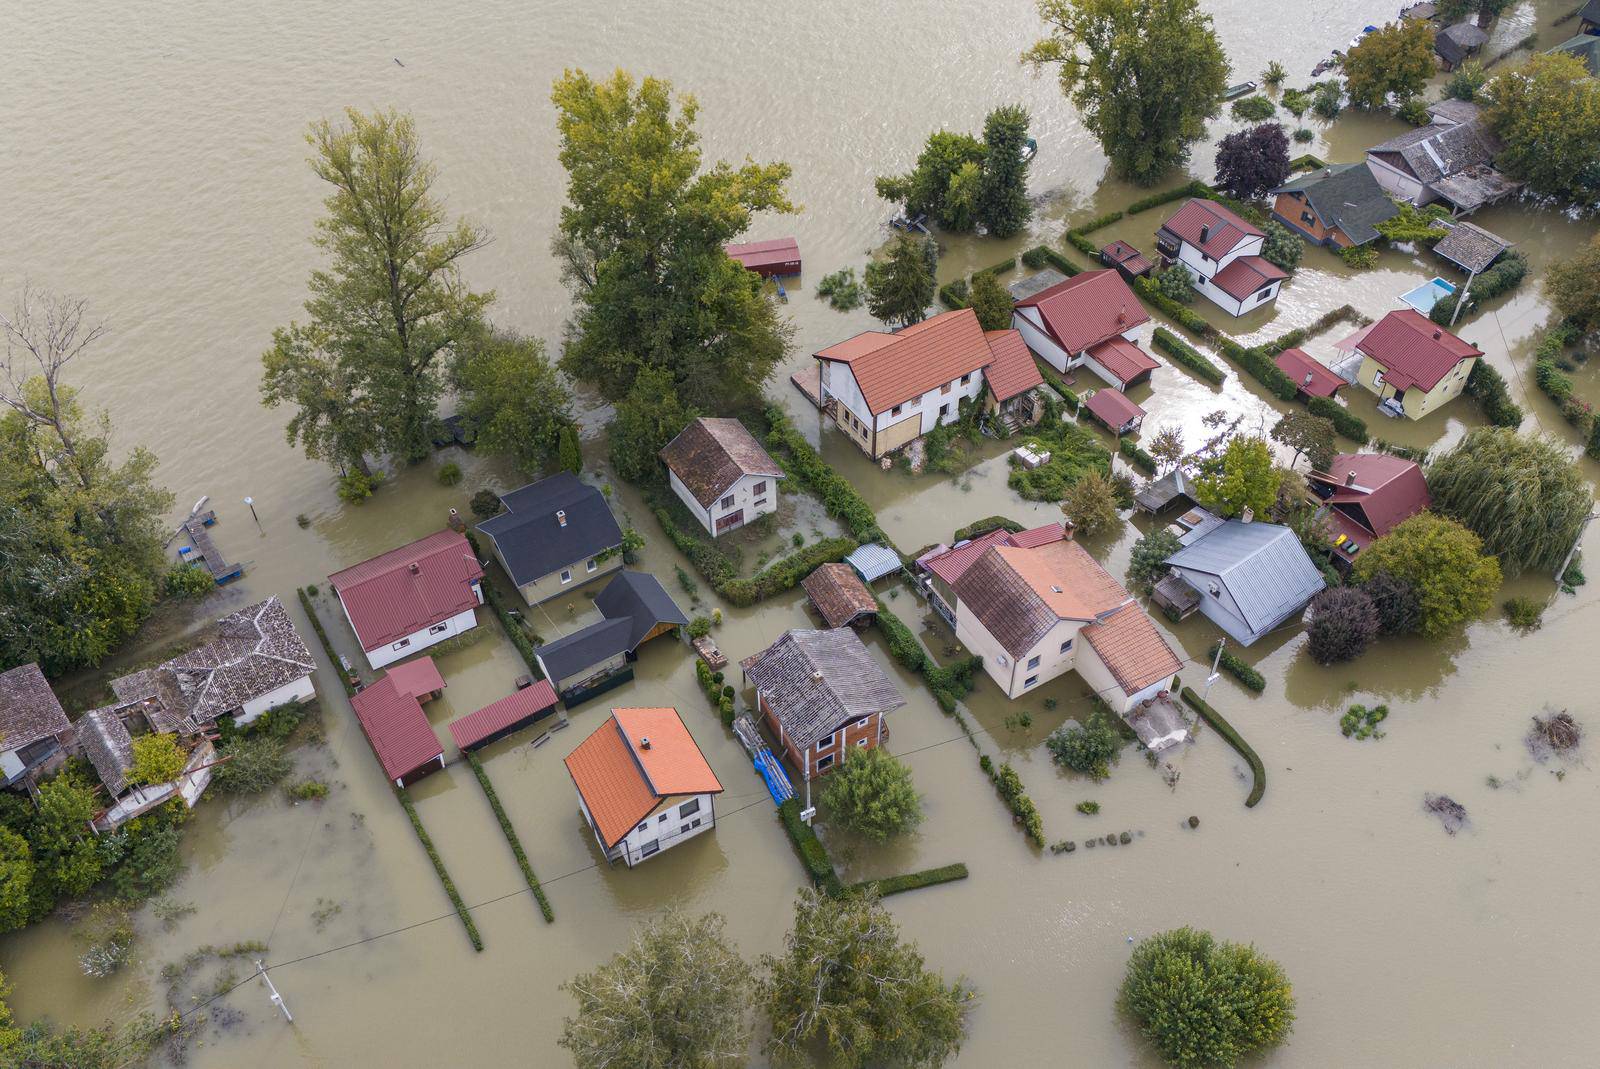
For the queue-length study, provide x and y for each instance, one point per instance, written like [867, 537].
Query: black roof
[1590, 12]
[639, 597]
[584, 648]
[532, 540]
[1347, 196]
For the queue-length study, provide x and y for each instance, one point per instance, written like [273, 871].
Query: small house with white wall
[412, 597]
[1091, 320]
[554, 536]
[643, 785]
[1222, 254]
[722, 474]
[1249, 577]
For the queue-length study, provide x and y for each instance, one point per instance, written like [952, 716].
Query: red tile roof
[1413, 351]
[1132, 649]
[1246, 275]
[622, 781]
[1298, 364]
[416, 678]
[952, 564]
[1013, 372]
[397, 728]
[510, 711]
[1386, 490]
[1087, 309]
[894, 368]
[1125, 360]
[407, 589]
[1112, 407]
[774, 252]
[1226, 231]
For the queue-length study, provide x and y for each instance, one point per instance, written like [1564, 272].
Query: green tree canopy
[513, 397]
[1243, 477]
[1003, 190]
[900, 286]
[1089, 748]
[1147, 565]
[388, 312]
[1448, 12]
[1144, 74]
[1308, 435]
[872, 793]
[641, 241]
[989, 299]
[675, 998]
[1547, 113]
[1090, 504]
[948, 169]
[846, 979]
[1205, 1002]
[16, 884]
[1443, 562]
[157, 758]
[1521, 494]
[1397, 58]
[646, 420]
[1573, 286]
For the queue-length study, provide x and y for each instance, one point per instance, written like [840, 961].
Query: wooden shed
[769, 259]
[840, 597]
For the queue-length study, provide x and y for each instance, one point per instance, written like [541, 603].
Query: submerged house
[885, 390]
[1249, 577]
[1222, 254]
[643, 785]
[1365, 496]
[1338, 206]
[1091, 320]
[1585, 47]
[635, 608]
[941, 568]
[555, 535]
[1412, 364]
[839, 596]
[34, 729]
[1450, 160]
[1456, 44]
[722, 474]
[412, 597]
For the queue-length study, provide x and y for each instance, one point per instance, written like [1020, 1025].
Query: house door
[732, 519]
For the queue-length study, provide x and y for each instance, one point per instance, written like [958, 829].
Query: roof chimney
[1122, 314]
[1350, 478]
[816, 677]
[455, 522]
[1205, 233]
[561, 517]
[1307, 380]
[1247, 515]
[644, 742]
[1437, 334]
[416, 569]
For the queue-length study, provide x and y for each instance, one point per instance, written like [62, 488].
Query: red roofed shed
[411, 597]
[1313, 378]
[499, 719]
[419, 678]
[1112, 408]
[399, 732]
[779, 256]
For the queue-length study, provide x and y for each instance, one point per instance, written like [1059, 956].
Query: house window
[966, 378]
[402, 644]
[684, 830]
[438, 629]
[689, 808]
[759, 488]
[641, 829]
[1307, 217]
[649, 848]
[862, 741]
[823, 744]
[566, 576]
[944, 410]
[726, 502]
[1066, 646]
[1033, 662]
[825, 762]
[1030, 681]
[944, 389]
[592, 565]
[695, 823]
[1377, 377]
[895, 411]
[662, 819]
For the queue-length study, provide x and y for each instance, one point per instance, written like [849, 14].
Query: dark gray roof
[1590, 12]
[109, 747]
[1432, 152]
[640, 598]
[1470, 247]
[585, 648]
[1451, 110]
[29, 710]
[1346, 195]
[1586, 46]
[1457, 42]
[532, 540]
[816, 682]
[1160, 493]
[1262, 565]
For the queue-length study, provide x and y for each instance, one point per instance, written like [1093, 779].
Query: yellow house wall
[1417, 404]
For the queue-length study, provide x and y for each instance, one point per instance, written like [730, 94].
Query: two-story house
[555, 535]
[1411, 363]
[411, 597]
[1365, 496]
[1091, 320]
[722, 474]
[1338, 206]
[643, 785]
[1222, 254]
[821, 693]
[885, 390]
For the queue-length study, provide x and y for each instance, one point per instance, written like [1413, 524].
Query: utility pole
[252, 503]
[1213, 677]
[1575, 543]
[277, 999]
[1461, 298]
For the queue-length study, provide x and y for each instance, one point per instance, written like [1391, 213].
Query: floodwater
[153, 161]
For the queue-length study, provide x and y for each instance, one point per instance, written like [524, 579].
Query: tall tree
[513, 397]
[1003, 191]
[646, 420]
[388, 312]
[1312, 436]
[1243, 477]
[872, 793]
[1573, 286]
[1443, 562]
[80, 535]
[1090, 505]
[1448, 12]
[1252, 161]
[901, 285]
[1144, 74]
[847, 980]
[1547, 113]
[1397, 59]
[641, 239]
[990, 301]
[943, 185]
[675, 998]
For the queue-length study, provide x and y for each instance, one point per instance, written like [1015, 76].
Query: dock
[205, 550]
[809, 382]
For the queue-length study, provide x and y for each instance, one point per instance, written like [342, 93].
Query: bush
[700, 627]
[356, 487]
[449, 473]
[1524, 614]
[1302, 134]
[812, 853]
[1136, 456]
[1195, 188]
[1395, 602]
[151, 860]
[984, 526]
[1360, 257]
[1344, 622]
[1189, 320]
[1486, 386]
[953, 295]
[1282, 247]
[256, 764]
[1361, 723]
[910, 881]
[486, 503]
[1465, 81]
[1240, 670]
[1034, 258]
[1074, 450]
[1328, 101]
[1296, 102]
[1089, 750]
[438, 867]
[1506, 275]
[1260, 367]
[871, 793]
[1414, 110]
[157, 758]
[1088, 809]
[1184, 354]
[1344, 421]
[189, 581]
[1147, 564]
[841, 290]
[1009, 785]
[1253, 109]
[1175, 284]
[308, 790]
[785, 574]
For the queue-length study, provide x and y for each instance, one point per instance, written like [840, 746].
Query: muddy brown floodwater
[153, 161]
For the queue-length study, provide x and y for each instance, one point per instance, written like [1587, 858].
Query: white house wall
[1397, 183]
[688, 499]
[391, 652]
[1027, 322]
[841, 383]
[744, 495]
[298, 691]
[667, 828]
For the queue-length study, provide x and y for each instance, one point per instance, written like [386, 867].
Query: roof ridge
[633, 752]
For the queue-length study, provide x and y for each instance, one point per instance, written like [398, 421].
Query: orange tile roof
[1013, 371]
[1132, 649]
[622, 781]
[1066, 578]
[894, 368]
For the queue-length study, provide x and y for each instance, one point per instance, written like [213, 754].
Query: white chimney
[1247, 515]
[1307, 380]
[816, 677]
[1349, 478]
[561, 517]
[644, 742]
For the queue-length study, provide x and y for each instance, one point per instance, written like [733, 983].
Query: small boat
[1236, 91]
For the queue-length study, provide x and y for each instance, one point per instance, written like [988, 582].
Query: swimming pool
[1430, 293]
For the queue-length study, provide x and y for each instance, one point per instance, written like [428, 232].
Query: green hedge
[953, 295]
[1009, 786]
[1323, 322]
[1186, 355]
[1059, 385]
[1185, 317]
[1306, 162]
[808, 468]
[1082, 244]
[949, 683]
[786, 574]
[1260, 367]
[1136, 456]
[1225, 729]
[984, 526]
[1155, 200]
[812, 853]
[1486, 386]
[1008, 264]
[1240, 670]
[511, 835]
[910, 881]
[1044, 254]
[438, 866]
[327, 647]
[1344, 421]
[1034, 258]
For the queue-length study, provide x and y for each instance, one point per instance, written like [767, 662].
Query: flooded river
[152, 161]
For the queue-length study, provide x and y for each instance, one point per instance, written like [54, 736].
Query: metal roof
[534, 542]
[409, 588]
[1262, 566]
[397, 728]
[873, 561]
[509, 712]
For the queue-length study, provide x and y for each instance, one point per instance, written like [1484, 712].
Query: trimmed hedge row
[716, 691]
[949, 683]
[1225, 729]
[1196, 188]
[1185, 317]
[1240, 670]
[910, 881]
[810, 470]
[1306, 162]
[438, 866]
[511, 835]
[1323, 322]
[1186, 355]
[1486, 386]
[1009, 785]
[955, 295]
[812, 853]
[1059, 385]
[1136, 456]
[984, 526]
[1040, 255]
[327, 647]
[1344, 421]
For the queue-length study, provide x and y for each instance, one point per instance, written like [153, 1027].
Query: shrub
[1240, 670]
[1147, 564]
[449, 473]
[1486, 386]
[1328, 101]
[984, 526]
[1465, 81]
[1088, 809]
[1302, 134]
[807, 467]
[1090, 503]
[308, 790]
[1524, 614]
[1360, 257]
[189, 581]
[486, 503]
[1344, 421]
[1033, 258]
[1258, 770]
[1186, 355]
[872, 793]
[1343, 624]
[1414, 110]
[356, 487]
[1136, 456]
[1274, 74]
[910, 881]
[1395, 602]
[1296, 102]
[157, 758]
[841, 290]
[1175, 284]
[1089, 750]
[1009, 785]
[1506, 275]
[1253, 109]
[1196, 188]
[953, 295]
[812, 853]
[256, 764]
[512, 839]
[1189, 320]
[700, 627]
[1282, 247]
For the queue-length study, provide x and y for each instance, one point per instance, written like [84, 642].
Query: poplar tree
[900, 286]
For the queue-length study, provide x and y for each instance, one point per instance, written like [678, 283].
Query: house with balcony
[722, 474]
[1222, 254]
[1365, 496]
[1091, 320]
[554, 536]
[412, 597]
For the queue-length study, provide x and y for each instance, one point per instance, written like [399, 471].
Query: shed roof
[534, 542]
[1224, 230]
[108, 746]
[622, 781]
[1127, 257]
[1456, 43]
[397, 728]
[1159, 493]
[1413, 350]
[1314, 378]
[769, 253]
[1345, 195]
[1087, 309]
[417, 677]
[1112, 407]
[1450, 110]
[409, 588]
[1247, 275]
[1471, 247]
[511, 711]
[1585, 46]
[815, 682]
[711, 454]
[1125, 360]
[839, 594]
[1262, 565]
[586, 647]
[894, 368]
[1013, 372]
[29, 710]
[872, 561]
